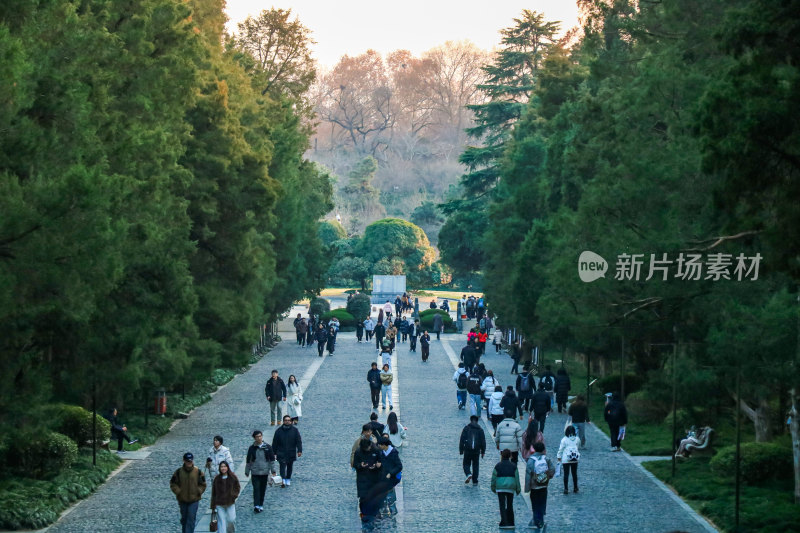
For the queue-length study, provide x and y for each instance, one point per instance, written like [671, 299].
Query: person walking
[404, 329]
[413, 333]
[374, 380]
[288, 446]
[508, 436]
[425, 344]
[497, 340]
[540, 404]
[188, 484]
[526, 384]
[302, 331]
[386, 387]
[367, 463]
[275, 390]
[387, 308]
[216, 454]
[296, 323]
[495, 409]
[386, 353]
[438, 324]
[539, 470]
[469, 356]
[548, 379]
[562, 389]
[461, 377]
[488, 387]
[380, 331]
[359, 330]
[312, 328]
[505, 483]
[474, 382]
[515, 356]
[369, 327]
[397, 432]
[472, 445]
[568, 456]
[530, 436]
[260, 464]
[391, 336]
[224, 490]
[366, 434]
[294, 399]
[482, 338]
[119, 431]
[579, 416]
[376, 427]
[331, 340]
[391, 472]
[511, 404]
[617, 418]
[322, 338]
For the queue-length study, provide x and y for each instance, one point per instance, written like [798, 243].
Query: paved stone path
[616, 495]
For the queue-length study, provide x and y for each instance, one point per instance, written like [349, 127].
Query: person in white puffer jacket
[216, 454]
[488, 385]
[568, 456]
[509, 437]
[495, 409]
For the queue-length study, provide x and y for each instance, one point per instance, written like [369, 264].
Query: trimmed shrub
[345, 318]
[687, 417]
[426, 320]
[76, 423]
[643, 409]
[760, 462]
[633, 383]
[41, 455]
[359, 306]
[319, 306]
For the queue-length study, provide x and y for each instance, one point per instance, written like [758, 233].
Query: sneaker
[613, 449]
[288, 482]
[469, 478]
[120, 452]
[134, 440]
[566, 491]
[283, 485]
[575, 490]
[272, 423]
[391, 407]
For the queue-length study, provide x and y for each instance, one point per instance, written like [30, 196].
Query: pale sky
[352, 26]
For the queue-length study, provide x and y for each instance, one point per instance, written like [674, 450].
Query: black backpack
[524, 383]
[474, 384]
[461, 381]
[548, 382]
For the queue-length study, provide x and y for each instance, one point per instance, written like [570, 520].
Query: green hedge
[34, 504]
[760, 462]
[39, 455]
[345, 318]
[319, 306]
[359, 306]
[633, 383]
[76, 423]
[426, 320]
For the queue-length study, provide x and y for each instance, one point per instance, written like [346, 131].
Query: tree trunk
[794, 428]
[760, 416]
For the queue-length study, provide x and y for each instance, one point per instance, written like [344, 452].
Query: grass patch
[33, 504]
[766, 508]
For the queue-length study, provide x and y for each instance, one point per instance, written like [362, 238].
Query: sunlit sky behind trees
[353, 26]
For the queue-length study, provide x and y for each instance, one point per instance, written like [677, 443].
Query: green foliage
[763, 509]
[397, 246]
[760, 462]
[76, 423]
[643, 409]
[331, 231]
[319, 306]
[426, 320]
[633, 383]
[345, 318]
[359, 306]
[40, 455]
[35, 504]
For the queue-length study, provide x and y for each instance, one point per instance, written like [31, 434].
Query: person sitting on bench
[693, 439]
[118, 430]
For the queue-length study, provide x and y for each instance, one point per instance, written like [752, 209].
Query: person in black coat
[118, 429]
[540, 404]
[616, 416]
[469, 356]
[367, 462]
[472, 445]
[380, 332]
[391, 472]
[526, 385]
[331, 340]
[288, 446]
[374, 379]
[562, 389]
[322, 338]
[275, 391]
[511, 404]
